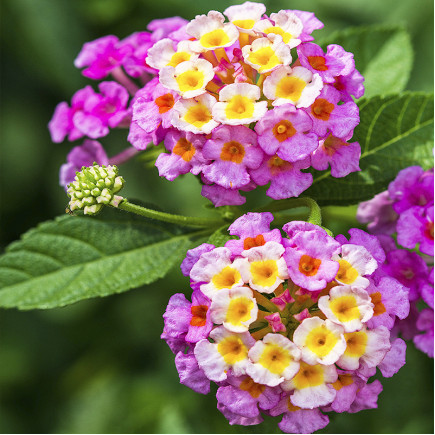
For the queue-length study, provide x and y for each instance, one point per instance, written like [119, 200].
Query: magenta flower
[408, 268]
[425, 323]
[162, 28]
[327, 115]
[346, 386]
[234, 151]
[309, 261]
[298, 420]
[190, 374]
[102, 56]
[135, 64]
[244, 397]
[390, 299]
[190, 321]
[411, 187]
[367, 397]
[379, 214]
[61, 124]
[343, 157]
[349, 85]
[91, 114]
[285, 131]
[416, 226]
[394, 359]
[192, 256]
[309, 23]
[253, 229]
[286, 179]
[150, 113]
[336, 61]
[83, 155]
[186, 155]
[220, 196]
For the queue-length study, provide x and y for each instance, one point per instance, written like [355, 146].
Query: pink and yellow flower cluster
[288, 326]
[240, 99]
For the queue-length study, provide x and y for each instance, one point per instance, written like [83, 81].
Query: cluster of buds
[241, 103]
[93, 187]
[292, 326]
[406, 211]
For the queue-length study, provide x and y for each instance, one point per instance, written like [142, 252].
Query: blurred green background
[99, 365]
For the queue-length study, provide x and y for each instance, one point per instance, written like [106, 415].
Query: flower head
[94, 187]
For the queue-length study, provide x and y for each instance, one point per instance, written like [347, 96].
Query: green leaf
[73, 258]
[383, 55]
[395, 132]
[220, 237]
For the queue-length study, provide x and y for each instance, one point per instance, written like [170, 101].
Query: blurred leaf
[220, 237]
[394, 132]
[73, 258]
[383, 55]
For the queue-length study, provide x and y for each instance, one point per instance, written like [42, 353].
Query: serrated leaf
[73, 258]
[383, 55]
[395, 132]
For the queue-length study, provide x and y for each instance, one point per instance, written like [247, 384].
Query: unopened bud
[93, 187]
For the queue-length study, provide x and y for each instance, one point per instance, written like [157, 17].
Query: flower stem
[119, 75]
[187, 221]
[123, 156]
[314, 216]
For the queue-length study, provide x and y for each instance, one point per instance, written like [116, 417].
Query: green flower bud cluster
[93, 187]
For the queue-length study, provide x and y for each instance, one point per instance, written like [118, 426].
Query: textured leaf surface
[383, 55]
[220, 236]
[395, 132]
[73, 258]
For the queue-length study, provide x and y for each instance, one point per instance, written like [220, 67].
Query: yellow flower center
[290, 88]
[264, 273]
[265, 58]
[321, 341]
[239, 107]
[308, 376]
[346, 273]
[215, 38]
[177, 58]
[345, 308]
[190, 80]
[226, 278]
[244, 24]
[198, 115]
[232, 349]
[254, 389]
[239, 310]
[356, 343]
[275, 358]
[342, 381]
[279, 31]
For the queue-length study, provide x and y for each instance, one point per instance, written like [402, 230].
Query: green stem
[187, 221]
[314, 216]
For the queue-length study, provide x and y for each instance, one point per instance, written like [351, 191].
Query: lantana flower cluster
[404, 215]
[290, 326]
[241, 103]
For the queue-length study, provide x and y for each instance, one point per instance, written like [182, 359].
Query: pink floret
[102, 56]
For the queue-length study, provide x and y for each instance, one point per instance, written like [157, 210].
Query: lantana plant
[287, 319]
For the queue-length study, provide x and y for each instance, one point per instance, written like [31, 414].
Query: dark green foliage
[395, 132]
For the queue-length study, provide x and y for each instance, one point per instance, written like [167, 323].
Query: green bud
[93, 187]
